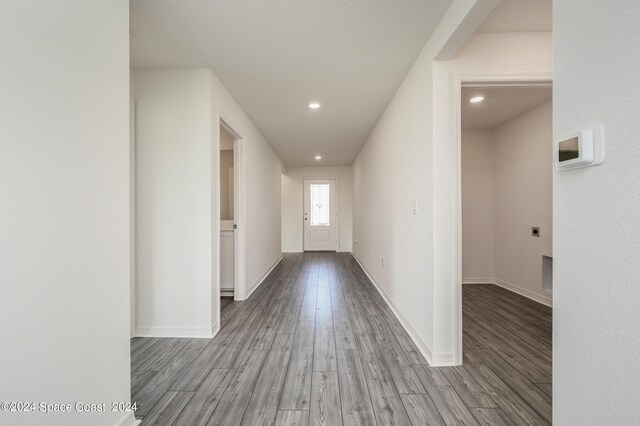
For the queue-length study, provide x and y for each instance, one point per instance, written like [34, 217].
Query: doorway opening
[231, 246]
[320, 212]
[504, 140]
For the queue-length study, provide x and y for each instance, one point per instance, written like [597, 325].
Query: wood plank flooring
[317, 345]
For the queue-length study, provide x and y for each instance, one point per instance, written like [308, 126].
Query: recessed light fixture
[476, 99]
[314, 105]
[318, 157]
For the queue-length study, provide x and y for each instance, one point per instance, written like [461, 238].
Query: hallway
[317, 344]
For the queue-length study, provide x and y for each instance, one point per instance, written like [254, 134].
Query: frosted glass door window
[320, 205]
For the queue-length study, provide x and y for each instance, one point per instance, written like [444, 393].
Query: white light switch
[415, 207]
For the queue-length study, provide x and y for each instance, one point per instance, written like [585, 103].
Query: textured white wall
[292, 205]
[477, 206]
[64, 207]
[523, 160]
[596, 218]
[174, 205]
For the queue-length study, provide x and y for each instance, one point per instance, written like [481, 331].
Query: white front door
[320, 215]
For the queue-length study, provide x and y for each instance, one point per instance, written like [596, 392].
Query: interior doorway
[231, 214]
[505, 231]
[320, 215]
[227, 218]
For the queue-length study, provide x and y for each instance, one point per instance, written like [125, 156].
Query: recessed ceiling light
[476, 99]
[318, 157]
[314, 105]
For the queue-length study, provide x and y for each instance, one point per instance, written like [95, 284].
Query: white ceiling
[500, 104]
[519, 16]
[276, 56]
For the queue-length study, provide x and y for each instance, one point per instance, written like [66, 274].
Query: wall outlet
[382, 262]
[535, 231]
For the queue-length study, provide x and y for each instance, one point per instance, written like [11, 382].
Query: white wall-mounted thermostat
[582, 149]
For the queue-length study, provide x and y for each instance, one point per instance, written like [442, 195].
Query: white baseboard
[129, 419]
[186, 332]
[255, 285]
[478, 281]
[547, 301]
[438, 360]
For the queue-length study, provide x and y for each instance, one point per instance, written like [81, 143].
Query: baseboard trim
[439, 360]
[478, 281]
[186, 332]
[129, 419]
[525, 293]
[512, 288]
[255, 285]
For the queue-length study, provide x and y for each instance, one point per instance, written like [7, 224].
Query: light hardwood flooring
[316, 344]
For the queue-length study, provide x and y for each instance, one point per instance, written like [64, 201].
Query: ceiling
[277, 56]
[500, 104]
[518, 16]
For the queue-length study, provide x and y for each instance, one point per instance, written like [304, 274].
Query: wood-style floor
[316, 344]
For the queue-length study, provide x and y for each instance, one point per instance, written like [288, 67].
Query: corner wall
[477, 206]
[178, 206]
[523, 160]
[596, 217]
[173, 205]
[64, 208]
[292, 202]
[409, 156]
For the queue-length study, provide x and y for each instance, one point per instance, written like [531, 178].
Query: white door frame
[240, 211]
[473, 80]
[337, 198]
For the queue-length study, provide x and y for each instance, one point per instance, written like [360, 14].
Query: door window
[320, 208]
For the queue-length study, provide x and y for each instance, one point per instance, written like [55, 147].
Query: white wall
[596, 221]
[410, 156]
[523, 160]
[292, 205]
[64, 215]
[263, 189]
[178, 207]
[174, 206]
[477, 206]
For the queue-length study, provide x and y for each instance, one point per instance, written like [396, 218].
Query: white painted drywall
[596, 217]
[263, 190]
[178, 208]
[477, 206]
[292, 205]
[174, 203]
[64, 207]
[409, 156]
[523, 160]
[394, 168]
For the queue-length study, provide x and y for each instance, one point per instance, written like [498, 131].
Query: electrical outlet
[382, 262]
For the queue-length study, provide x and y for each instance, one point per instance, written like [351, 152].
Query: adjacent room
[507, 162]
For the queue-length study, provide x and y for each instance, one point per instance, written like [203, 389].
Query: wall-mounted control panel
[581, 149]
